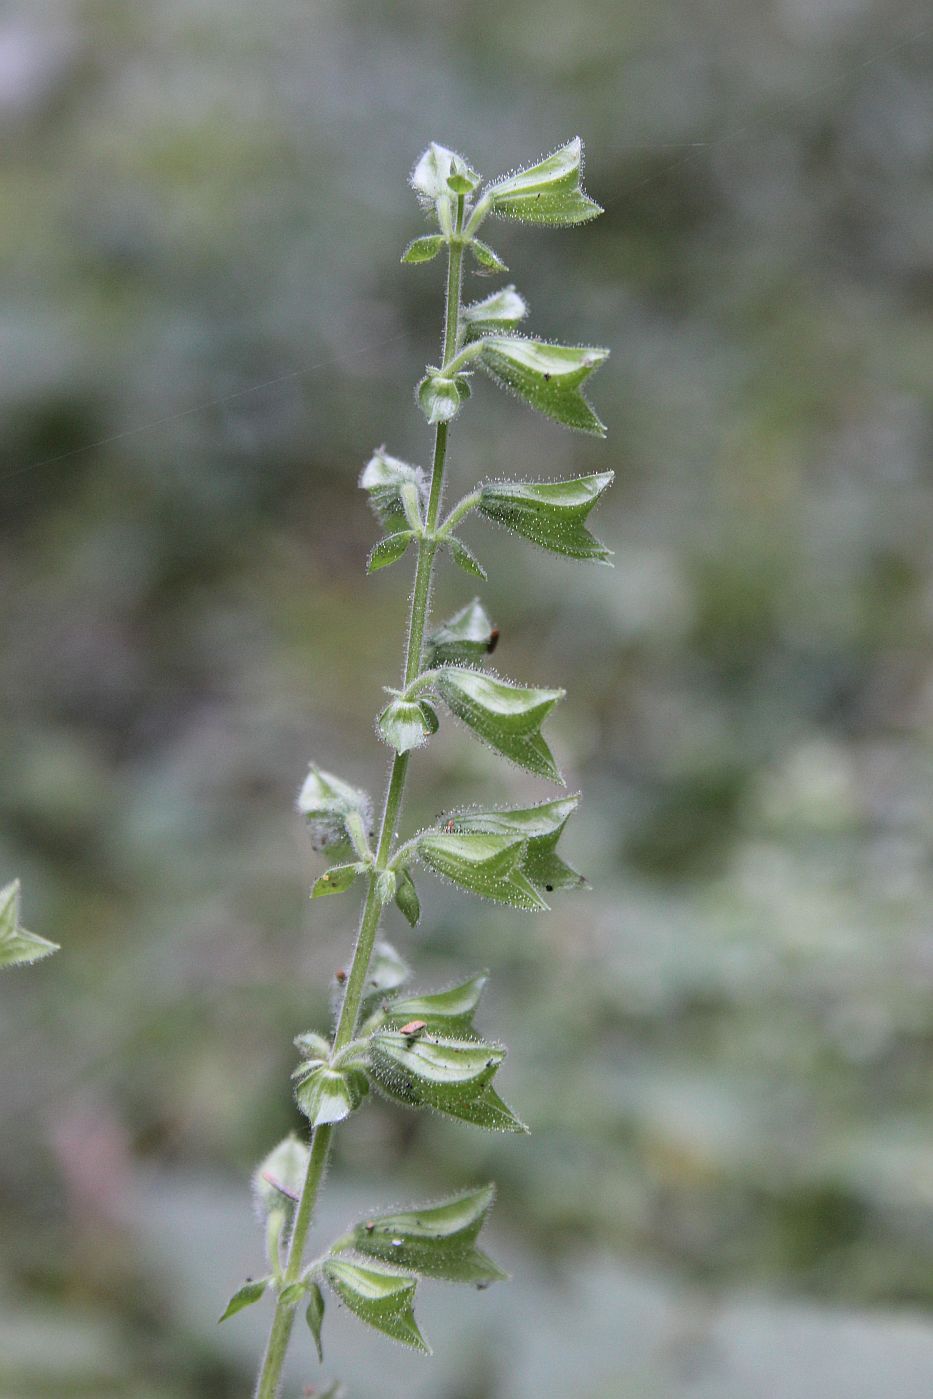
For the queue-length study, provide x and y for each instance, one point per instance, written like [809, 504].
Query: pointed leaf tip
[550, 514]
[380, 1298]
[548, 377]
[548, 192]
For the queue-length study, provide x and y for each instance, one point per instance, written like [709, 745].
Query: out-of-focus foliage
[724, 1050]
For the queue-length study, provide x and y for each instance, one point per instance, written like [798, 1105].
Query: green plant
[17, 946]
[422, 1050]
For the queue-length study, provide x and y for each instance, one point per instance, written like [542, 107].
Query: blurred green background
[724, 1049]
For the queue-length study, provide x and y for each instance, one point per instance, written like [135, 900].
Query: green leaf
[17, 946]
[424, 249]
[381, 1298]
[488, 262]
[487, 1110]
[384, 478]
[548, 192]
[406, 724]
[388, 550]
[245, 1296]
[547, 377]
[503, 310]
[540, 827]
[445, 1012]
[466, 636]
[406, 897]
[327, 1095]
[505, 716]
[462, 180]
[438, 1241]
[551, 514]
[337, 879]
[314, 1316]
[464, 557]
[327, 803]
[452, 1076]
[292, 1294]
[278, 1178]
[487, 865]
[439, 398]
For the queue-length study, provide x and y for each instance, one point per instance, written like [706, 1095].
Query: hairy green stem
[270, 1374]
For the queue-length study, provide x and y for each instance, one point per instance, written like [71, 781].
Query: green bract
[540, 827]
[406, 724]
[423, 249]
[548, 192]
[422, 1049]
[17, 947]
[245, 1296]
[378, 1296]
[551, 514]
[466, 636]
[502, 310]
[330, 806]
[548, 377]
[384, 478]
[440, 397]
[487, 865]
[488, 263]
[445, 1012]
[438, 1241]
[278, 1178]
[506, 716]
[325, 1094]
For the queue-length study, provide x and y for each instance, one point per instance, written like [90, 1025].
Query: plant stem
[270, 1375]
[271, 1372]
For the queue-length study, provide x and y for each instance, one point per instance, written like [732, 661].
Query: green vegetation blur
[724, 1048]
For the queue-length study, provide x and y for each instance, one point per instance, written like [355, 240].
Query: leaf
[327, 1095]
[507, 717]
[449, 1075]
[487, 1110]
[424, 249]
[292, 1294]
[384, 478]
[314, 1316]
[547, 377]
[245, 1296]
[438, 1241]
[445, 1012]
[502, 310]
[326, 802]
[551, 514]
[488, 262]
[487, 865]
[439, 398]
[279, 1177]
[547, 192]
[466, 636]
[540, 827]
[406, 724]
[406, 897]
[381, 1298]
[337, 879]
[388, 550]
[462, 556]
[17, 946]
